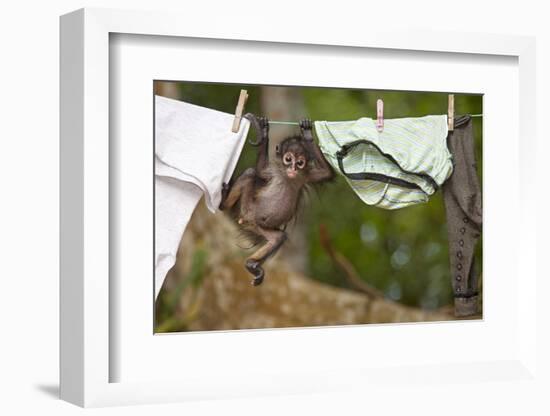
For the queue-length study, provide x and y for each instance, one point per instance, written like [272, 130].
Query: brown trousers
[462, 196]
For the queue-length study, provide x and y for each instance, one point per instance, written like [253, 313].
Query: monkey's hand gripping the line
[265, 198]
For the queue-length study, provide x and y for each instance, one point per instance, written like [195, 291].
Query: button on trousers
[462, 196]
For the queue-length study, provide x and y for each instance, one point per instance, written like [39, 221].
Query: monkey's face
[293, 157]
[294, 164]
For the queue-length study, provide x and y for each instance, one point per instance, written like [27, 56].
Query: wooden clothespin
[451, 113]
[380, 115]
[239, 111]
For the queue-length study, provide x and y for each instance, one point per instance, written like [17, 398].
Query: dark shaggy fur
[265, 199]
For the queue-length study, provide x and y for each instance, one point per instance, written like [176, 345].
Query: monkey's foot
[256, 270]
[225, 191]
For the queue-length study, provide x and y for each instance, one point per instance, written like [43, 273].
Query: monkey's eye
[301, 163]
[287, 159]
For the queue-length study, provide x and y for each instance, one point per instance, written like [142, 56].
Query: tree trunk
[167, 89]
[287, 104]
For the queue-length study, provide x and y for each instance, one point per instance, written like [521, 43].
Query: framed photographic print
[280, 214]
[350, 253]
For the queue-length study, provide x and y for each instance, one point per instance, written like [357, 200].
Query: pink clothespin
[380, 115]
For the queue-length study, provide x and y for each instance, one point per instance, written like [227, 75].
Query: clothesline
[295, 123]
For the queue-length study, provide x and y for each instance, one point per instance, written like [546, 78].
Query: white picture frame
[86, 356]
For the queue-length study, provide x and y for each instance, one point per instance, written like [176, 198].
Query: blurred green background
[403, 253]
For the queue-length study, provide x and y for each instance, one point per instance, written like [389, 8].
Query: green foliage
[403, 253]
[167, 317]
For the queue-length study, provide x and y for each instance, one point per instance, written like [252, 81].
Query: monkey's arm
[262, 132]
[322, 171]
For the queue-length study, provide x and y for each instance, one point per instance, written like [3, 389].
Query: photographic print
[290, 206]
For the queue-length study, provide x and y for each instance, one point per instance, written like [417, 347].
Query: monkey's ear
[278, 150]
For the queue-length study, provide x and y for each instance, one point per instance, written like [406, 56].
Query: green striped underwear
[401, 166]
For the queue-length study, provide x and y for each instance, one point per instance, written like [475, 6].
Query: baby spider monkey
[265, 198]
